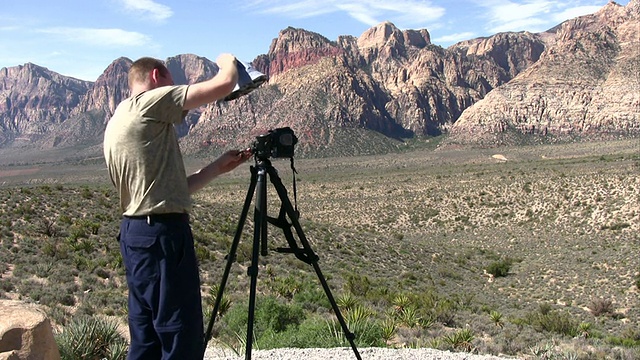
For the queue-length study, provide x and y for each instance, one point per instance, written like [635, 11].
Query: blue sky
[80, 38]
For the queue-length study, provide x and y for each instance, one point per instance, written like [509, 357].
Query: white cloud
[454, 38]
[299, 10]
[156, 11]
[359, 13]
[99, 37]
[403, 13]
[574, 12]
[531, 15]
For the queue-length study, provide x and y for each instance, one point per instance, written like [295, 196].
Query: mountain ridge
[572, 81]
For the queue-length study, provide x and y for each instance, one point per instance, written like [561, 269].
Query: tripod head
[277, 143]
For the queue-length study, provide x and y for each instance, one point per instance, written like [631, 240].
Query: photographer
[146, 167]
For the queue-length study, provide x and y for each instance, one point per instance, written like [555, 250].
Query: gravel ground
[347, 353]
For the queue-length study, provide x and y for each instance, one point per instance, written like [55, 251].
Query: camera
[277, 143]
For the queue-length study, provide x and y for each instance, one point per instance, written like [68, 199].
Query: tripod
[259, 174]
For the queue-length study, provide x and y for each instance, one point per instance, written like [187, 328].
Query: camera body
[277, 143]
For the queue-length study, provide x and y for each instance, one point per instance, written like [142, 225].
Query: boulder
[25, 333]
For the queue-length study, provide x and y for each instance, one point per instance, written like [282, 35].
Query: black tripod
[259, 173]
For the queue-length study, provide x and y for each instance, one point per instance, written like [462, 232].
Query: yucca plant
[543, 352]
[359, 321]
[347, 301]
[584, 329]
[357, 315]
[224, 305]
[496, 318]
[409, 317]
[389, 329]
[91, 338]
[401, 302]
[460, 340]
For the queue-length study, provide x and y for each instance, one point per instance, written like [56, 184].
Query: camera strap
[295, 191]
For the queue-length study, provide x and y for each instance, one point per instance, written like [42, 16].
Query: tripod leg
[259, 237]
[231, 256]
[309, 256]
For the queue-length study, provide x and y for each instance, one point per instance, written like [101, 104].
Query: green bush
[312, 298]
[499, 268]
[277, 316]
[90, 338]
[271, 316]
[313, 332]
[318, 332]
[358, 285]
[553, 321]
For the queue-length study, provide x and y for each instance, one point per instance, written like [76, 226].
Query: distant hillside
[362, 95]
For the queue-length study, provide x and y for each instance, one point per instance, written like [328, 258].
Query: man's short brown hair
[142, 67]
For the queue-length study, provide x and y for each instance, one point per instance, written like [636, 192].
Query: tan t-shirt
[142, 153]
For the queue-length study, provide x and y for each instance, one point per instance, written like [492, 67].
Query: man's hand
[225, 163]
[217, 87]
[226, 61]
[232, 159]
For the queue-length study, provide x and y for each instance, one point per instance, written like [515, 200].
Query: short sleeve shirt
[142, 153]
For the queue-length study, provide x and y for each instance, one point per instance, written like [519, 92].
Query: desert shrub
[286, 287]
[630, 338]
[358, 285]
[312, 298]
[58, 315]
[553, 321]
[499, 268]
[271, 316]
[65, 219]
[312, 332]
[275, 315]
[102, 272]
[47, 227]
[6, 284]
[86, 193]
[600, 307]
[46, 295]
[445, 312]
[616, 226]
[107, 300]
[90, 338]
[318, 332]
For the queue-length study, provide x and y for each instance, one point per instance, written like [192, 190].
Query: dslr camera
[277, 143]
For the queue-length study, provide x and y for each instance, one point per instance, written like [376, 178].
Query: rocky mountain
[393, 82]
[33, 100]
[578, 79]
[584, 85]
[85, 125]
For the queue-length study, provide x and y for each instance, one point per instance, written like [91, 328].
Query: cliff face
[585, 84]
[578, 79]
[34, 100]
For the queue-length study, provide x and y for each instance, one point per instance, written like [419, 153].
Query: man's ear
[154, 76]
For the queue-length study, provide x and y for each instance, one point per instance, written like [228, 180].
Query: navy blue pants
[165, 309]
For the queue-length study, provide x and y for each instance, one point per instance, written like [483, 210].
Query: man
[146, 167]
